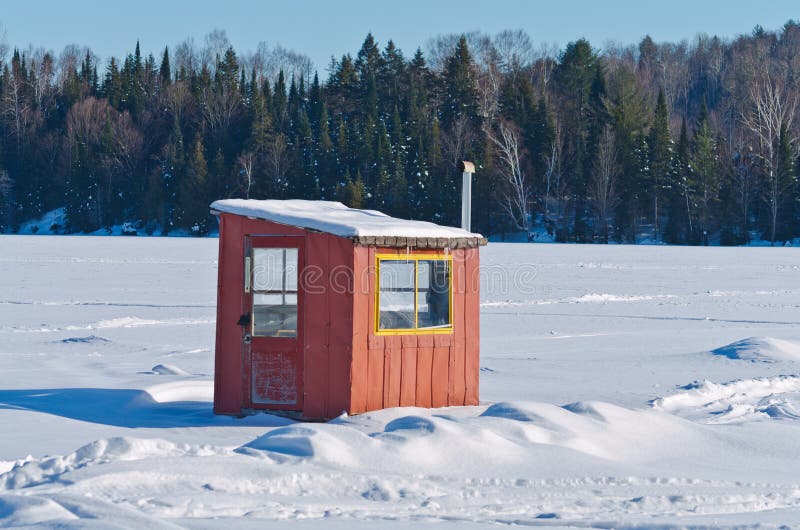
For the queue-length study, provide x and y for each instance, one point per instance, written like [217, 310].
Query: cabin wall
[231, 362]
[227, 352]
[327, 284]
[415, 370]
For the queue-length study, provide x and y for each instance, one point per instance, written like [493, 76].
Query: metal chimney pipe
[467, 168]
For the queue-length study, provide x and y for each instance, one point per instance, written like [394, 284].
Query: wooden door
[273, 324]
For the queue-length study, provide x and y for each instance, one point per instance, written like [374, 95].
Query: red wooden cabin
[324, 309]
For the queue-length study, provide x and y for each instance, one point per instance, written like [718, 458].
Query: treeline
[681, 142]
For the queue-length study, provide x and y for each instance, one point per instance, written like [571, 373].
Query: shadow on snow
[126, 408]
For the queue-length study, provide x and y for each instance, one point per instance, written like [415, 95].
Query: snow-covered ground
[623, 387]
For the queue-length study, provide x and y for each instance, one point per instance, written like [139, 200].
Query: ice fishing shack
[323, 309]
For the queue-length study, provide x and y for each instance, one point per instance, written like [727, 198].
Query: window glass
[433, 293]
[414, 294]
[275, 292]
[396, 294]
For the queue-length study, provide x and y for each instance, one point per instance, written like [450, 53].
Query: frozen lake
[623, 386]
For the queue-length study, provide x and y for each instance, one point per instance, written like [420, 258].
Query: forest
[694, 142]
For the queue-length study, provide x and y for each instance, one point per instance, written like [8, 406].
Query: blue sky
[322, 28]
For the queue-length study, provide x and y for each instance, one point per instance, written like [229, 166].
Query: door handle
[247, 338]
[244, 320]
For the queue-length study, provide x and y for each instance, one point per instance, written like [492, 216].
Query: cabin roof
[364, 227]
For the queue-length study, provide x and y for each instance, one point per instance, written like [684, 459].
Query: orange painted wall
[415, 370]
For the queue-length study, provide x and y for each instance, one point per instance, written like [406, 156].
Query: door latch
[247, 338]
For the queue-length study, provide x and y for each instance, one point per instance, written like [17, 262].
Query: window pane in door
[275, 292]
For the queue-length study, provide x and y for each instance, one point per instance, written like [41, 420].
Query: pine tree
[787, 182]
[659, 147]
[279, 104]
[398, 190]
[680, 190]
[368, 61]
[705, 170]
[192, 197]
[112, 85]
[628, 115]
[228, 70]
[6, 201]
[460, 98]
[354, 191]
[579, 81]
[81, 194]
[165, 71]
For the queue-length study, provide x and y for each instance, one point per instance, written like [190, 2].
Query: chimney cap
[467, 167]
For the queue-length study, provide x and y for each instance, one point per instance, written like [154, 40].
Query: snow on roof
[364, 226]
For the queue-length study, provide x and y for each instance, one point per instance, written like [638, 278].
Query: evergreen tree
[193, 204]
[279, 105]
[6, 201]
[578, 80]
[460, 98]
[705, 172]
[165, 71]
[112, 85]
[228, 70]
[659, 164]
[628, 115]
[787, 184]
[81, 193]
[680, 191]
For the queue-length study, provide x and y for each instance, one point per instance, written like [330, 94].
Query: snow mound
[24, 510]
[595, 428]
[60, 510]
[331, 443]
[760, 349]
[192, 390]
[168, 369]
[464, 439]
[736, 401]
[45, 470]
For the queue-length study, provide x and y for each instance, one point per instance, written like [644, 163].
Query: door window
[274, 292]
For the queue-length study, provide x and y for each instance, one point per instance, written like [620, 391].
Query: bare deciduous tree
[514, 50]
[544, 63]
[441, 47]
[214, 45]
[85, 120]
[774, 106]
[186, 59]
[744, 178]
[177, 98]
[603, 181]
[516, 195]
[245, 162]
[456, 140]
[277, 160]
[552, 174]
[16, 110]
[219, 108]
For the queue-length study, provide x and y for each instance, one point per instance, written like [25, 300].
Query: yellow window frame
[416, 258]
